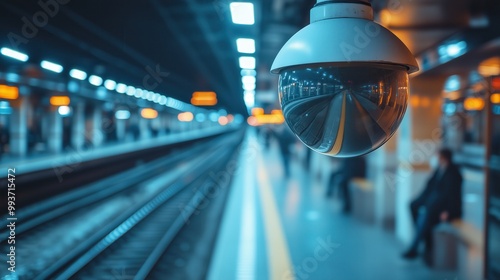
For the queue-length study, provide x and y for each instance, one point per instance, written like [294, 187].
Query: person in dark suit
[354, 167]
[440, 201]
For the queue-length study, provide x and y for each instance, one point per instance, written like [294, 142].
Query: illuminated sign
[9, 92]
[149, 113]
[204, 98]
[185, 116]
[59, 100]
[473, 104]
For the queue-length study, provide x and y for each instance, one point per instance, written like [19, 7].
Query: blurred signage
[59, 100]
[473, 104]
[185, 116]
[149, 113]
[204, 98]
[9, 92]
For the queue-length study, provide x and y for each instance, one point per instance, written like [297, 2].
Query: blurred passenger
[350, 168]
[440, 201]
[307, 159]
[267, 136]
[285, 139]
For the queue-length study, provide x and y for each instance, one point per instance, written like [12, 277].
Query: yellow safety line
[340, 133]
[280, 265]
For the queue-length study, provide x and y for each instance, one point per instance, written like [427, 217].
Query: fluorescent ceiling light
[139, 93]
[249, 86]
[121, 88]
[156, 97]
[200, 117]
[14, 54]
[122, 115]
[249, 99]
[78, 74]
[95, 80]
[163, 100]
[242, 13]
[51, 66]
[130, 90]
[110, 85]
[64, 110]
[247, 62]
[245, 45]
[248, 80]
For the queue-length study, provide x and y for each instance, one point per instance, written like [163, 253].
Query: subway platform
[287, 229]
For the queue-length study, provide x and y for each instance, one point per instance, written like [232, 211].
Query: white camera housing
[343, 80]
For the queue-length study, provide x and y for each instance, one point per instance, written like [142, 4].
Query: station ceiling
[191, 44]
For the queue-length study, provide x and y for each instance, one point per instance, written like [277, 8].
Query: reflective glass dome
[344, 110]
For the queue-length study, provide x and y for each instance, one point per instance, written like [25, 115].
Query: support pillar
[120, 130]
[18, 126]
[55, 131]
[78, 132]
[419, 137]
[97, 135]
[144, 128]
[381, 166]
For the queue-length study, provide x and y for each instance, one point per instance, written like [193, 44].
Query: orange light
[185, 116]
[270, 119]
[252, 121]
[257, 111]
[204, 94]
[8, 92]
[426, 102]
[414, 101]
[59, 100]
[223, 120]
[495, 98]
[197, 102]
[473, 104]
[204, 98]
[453, 95]
[230, 118]
[385, 17]
[149, 113]
[276, 112]
[489, 67]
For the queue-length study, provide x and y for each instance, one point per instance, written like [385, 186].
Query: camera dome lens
[344, 110]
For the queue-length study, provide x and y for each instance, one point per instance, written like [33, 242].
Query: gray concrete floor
[323, 243]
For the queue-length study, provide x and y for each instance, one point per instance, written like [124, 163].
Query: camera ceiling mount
[343, 31]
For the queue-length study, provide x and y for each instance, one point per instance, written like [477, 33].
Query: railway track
[90, 230]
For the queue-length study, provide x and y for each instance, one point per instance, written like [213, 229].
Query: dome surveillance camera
[343, 80]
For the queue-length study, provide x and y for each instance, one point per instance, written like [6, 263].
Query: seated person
[440, 201]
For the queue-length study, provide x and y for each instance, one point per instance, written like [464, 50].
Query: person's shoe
[410, 254]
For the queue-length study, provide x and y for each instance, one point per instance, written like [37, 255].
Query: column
[419, 137]
[78, 130]
[144, 128]
[55, 131]
[381, 167]
[121, 130]
[18, 126]
[97, 136]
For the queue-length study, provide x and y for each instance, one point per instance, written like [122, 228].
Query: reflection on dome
[344, 111]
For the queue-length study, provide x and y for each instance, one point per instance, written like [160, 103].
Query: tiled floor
[317, 240]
